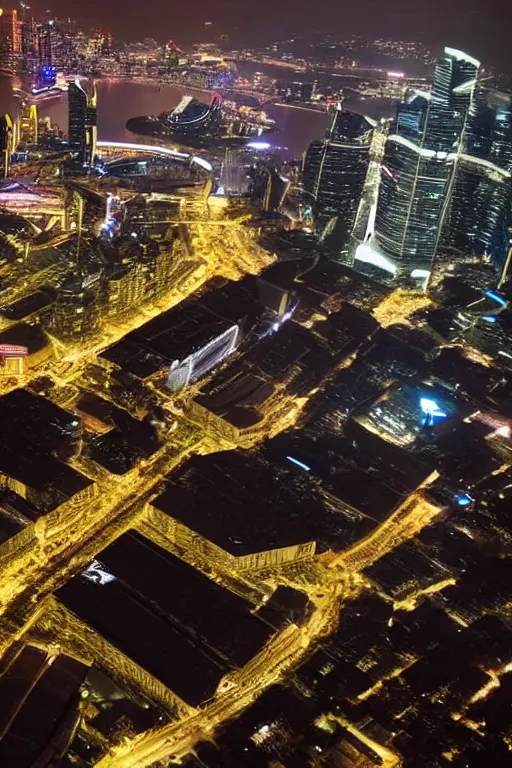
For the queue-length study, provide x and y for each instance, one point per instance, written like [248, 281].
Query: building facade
[7, 144]
[10, 38]
[333, 177]
[418, 175]
[28, 124]
[479, 216]
[82, 130]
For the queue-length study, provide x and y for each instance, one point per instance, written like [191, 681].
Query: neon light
[13, 350]
[430, 407]
[464, 500]
[495, 297]
[299, 463]
[141, 147]
[259, 145]
[389, 173]
[202, 163]
[432, 412]
[489, 318]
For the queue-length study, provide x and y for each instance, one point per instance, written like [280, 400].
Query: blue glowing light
[298, 463]
[431, 412]
[495, 297]
[48, 74]
[259, 145]
[489, 318]
[464, 500]
[430, 407]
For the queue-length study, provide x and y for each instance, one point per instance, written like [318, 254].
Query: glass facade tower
[82, 130]
[333, 177]
[477, 224]
[417, 176]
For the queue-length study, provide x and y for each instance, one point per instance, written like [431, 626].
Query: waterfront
[119, 100]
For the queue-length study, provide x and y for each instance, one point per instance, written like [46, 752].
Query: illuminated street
[255, 393]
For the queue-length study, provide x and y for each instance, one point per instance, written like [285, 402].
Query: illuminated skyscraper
[10, 37]
[82, 131]
[333, 175]
[478, 219]
[28, 123]
[46, 43]
[477, 223]
[29, 45]
[417, 176]
[6, 144]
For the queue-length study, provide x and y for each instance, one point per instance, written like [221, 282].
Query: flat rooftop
[212, 496]
[183, 628]
[183, 330]
[38, 430]
[35, 700]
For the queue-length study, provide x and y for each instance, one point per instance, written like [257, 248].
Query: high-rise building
[417, 176]
[10, 38]
[82, 130]
[46, 43]
[275, 192]
[477, 223]
[7, 143]
[478, 219]
[333, 176]
[28, 123]
[76, 312]
[29, 45]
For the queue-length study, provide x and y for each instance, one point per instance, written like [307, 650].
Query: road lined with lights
[283, 652]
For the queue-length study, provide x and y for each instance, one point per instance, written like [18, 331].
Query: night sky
[483, 26]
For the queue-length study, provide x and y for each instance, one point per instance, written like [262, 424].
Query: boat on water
[41, 92]
[192, 123]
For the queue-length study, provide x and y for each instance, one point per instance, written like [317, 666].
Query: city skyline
[483, 29]
[255, 397]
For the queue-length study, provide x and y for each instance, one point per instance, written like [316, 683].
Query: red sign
[12, 350]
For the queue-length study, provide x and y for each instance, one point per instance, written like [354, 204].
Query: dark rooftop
[183, 330]
[211, 496]
[295, 508]
[26, 306]
[38, 432]
[203, 626]
[37, 702]
[31, 336]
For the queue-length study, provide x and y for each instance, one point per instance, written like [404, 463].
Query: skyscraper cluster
[444, 189]
[33, 45]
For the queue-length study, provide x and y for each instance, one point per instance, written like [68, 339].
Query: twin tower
[442, 186]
